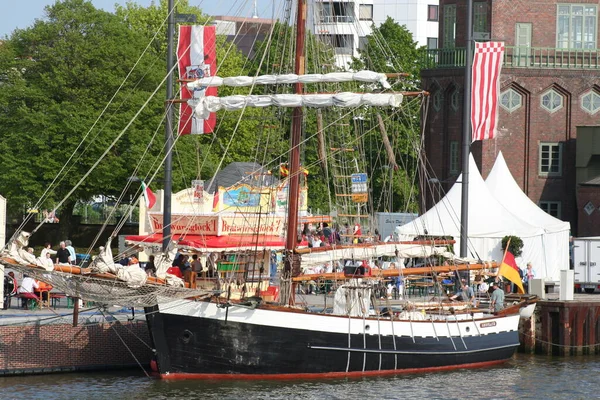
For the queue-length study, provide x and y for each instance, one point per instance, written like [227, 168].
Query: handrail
[518, 57]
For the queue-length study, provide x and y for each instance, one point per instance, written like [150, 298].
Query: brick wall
[541, 13]
[520, 132]
[62, 347]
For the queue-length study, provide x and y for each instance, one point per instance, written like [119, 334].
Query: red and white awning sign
[211, 242]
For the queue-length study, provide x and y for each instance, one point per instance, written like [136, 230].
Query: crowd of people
[323, 235]
[31, 288]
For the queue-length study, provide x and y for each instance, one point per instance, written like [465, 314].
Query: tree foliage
[151, 21]
[57, 78]
[391, 48]
[235, 139]
[515, 245]
[76, 79]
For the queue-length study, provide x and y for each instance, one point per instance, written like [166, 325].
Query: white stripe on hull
[336, 324]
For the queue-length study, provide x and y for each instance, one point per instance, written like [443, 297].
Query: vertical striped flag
[196, 58]
[487, 64]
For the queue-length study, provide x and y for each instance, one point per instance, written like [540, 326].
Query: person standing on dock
[497, 299]
[528, 276]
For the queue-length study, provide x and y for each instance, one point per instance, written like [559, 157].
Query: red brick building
[550, 94]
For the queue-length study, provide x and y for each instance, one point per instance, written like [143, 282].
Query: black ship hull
[209, 343]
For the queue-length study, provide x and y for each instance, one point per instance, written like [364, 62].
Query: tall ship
[244, 319]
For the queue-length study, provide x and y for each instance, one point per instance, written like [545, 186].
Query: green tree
[237, 131]
[57, 78]
[151, 21]
[276, 54]
[391, 48]
[515, 245]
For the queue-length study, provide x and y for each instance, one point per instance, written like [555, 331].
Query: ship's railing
[519, 57]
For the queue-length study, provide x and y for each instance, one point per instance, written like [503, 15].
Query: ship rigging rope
[123, 221]
[76, 151]
[126, 346]
[105, 291]
[238, 124]
[240, 116]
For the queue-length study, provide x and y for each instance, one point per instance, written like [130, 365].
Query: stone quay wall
[44, 348]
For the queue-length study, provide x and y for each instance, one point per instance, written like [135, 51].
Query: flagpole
[168, 131]
[466, 148]
[503, 258]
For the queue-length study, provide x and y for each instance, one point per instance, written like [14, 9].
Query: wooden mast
[292, 265]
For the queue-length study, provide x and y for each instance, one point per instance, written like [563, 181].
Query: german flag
[510, 270]
[283, 171]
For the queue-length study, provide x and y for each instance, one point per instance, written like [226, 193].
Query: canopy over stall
[555, 250]
[489, 222]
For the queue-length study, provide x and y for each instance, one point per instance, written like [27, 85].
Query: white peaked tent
[489, 222]
[555, 250]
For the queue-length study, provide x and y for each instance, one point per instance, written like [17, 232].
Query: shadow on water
[524, 377]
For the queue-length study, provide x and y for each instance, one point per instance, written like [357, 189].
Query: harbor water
[523, 377]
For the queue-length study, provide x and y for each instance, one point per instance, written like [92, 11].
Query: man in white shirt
[27, 290]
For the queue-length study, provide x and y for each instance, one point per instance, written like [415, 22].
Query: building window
[438, 99]
[342, 44]
[550, 159]
[590, 102]
[551, 207]
[480, 18]
[455, 100]
[432, 13]
[511, 100]
[365, 12]
[576, 26]
[363, 41]
[552, 101]
[454, 157]
[335, 12]
[432, 43]
[449, 25]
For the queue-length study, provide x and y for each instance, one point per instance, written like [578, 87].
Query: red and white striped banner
[487, 64]
[197, 58]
